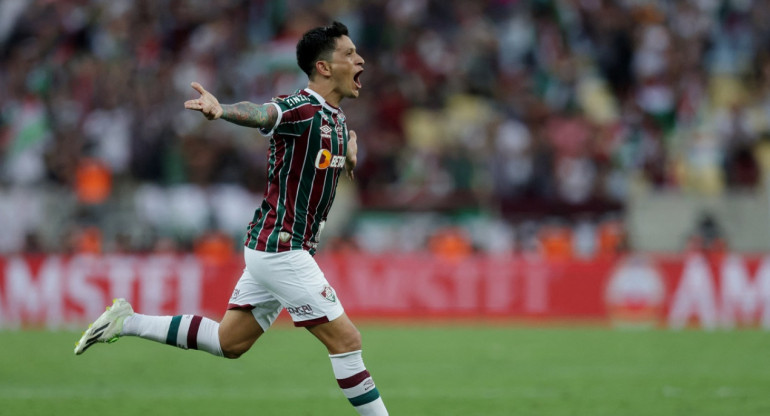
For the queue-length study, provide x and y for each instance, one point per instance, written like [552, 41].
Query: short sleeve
[278, 120]
[295, 113]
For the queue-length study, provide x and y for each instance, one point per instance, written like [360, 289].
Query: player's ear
[323, 68]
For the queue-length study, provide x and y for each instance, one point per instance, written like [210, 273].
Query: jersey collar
[321, 100]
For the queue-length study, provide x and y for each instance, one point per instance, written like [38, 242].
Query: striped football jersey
[308, 145]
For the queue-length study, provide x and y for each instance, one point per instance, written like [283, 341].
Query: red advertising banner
[714, 291]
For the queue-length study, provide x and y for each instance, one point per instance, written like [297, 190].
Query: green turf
[419, 371]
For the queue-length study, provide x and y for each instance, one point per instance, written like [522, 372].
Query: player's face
[347, 66]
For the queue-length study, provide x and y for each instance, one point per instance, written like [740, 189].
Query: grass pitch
[444, 370]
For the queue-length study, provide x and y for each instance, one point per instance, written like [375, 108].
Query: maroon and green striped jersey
[308, 145]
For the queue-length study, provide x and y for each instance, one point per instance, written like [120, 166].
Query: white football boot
[107, 327]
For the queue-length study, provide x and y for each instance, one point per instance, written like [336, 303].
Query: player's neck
[327, 91]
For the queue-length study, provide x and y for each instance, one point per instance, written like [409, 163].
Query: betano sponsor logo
[324, 160]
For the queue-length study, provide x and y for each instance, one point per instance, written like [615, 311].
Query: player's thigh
[238, 331]
[294, 279]
[339, 335]
[251, 295]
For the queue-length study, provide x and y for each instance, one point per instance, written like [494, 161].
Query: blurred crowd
[533, 118]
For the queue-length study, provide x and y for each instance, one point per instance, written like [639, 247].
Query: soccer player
[310, 146]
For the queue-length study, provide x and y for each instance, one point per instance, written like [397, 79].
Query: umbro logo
[368, 384]
[326, 131]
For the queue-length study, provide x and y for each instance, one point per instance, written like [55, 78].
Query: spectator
[513, 106]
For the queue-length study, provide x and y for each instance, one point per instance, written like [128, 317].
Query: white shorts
[291, 280]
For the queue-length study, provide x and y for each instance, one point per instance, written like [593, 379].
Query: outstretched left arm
[250, 114]
[243, 113]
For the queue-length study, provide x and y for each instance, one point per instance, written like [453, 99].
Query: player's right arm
[243, 113]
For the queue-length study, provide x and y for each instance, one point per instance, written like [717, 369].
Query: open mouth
[357, 78]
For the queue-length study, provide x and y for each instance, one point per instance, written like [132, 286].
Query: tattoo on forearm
[250, 114]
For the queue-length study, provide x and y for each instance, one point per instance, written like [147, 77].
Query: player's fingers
[352, 135]
[192, 105]
[198, 87]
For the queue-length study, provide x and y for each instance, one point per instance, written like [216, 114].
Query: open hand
[206, 104]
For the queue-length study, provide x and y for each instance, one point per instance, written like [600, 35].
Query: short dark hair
[317, 44]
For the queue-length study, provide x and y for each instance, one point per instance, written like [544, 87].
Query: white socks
[357, 384]
[183, 331]
[199, 333]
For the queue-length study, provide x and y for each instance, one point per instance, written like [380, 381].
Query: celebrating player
[310, 146]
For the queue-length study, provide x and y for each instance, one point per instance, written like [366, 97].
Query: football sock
[183, 331]
[357, 384]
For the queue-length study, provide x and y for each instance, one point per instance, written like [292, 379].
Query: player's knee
[231, 355]
[351, 341]
[233, 351]
[237, 333]
[354, 343]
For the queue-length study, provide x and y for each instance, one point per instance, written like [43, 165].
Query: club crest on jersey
[324, 160]
[328, 294]
[339, 130]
